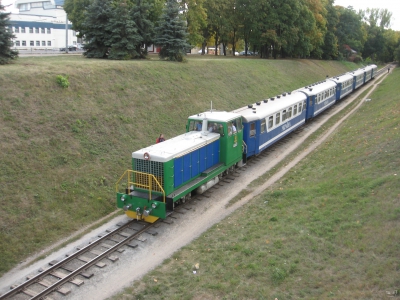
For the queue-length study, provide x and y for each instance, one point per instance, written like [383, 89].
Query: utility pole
[66, 32]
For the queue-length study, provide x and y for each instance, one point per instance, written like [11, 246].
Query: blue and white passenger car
[267, 121]
[370, 72]
[344, 85]
[320, 96]
[358, 78]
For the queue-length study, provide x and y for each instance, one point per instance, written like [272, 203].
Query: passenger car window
[252, 129]
[277, 118]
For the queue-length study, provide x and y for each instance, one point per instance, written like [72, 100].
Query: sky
[392, 5]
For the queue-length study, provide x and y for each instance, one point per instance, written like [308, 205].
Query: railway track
[77, 265]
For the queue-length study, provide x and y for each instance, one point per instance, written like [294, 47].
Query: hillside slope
[62, 150]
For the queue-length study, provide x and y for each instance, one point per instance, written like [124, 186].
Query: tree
[124, 39]
[349, 29]
[145, 28]
[196, 18]
[97, 30]
[76, 10]
[330, 46]
[172, 33]
[6, 36]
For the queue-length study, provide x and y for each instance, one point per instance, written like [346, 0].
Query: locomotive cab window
[238, 124]
[195, 125]
[300, 104]
[295, 110]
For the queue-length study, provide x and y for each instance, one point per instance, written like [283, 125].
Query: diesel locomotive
[166, 174]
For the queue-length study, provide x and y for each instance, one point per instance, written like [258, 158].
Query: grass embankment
[62, 150]
[329, 229]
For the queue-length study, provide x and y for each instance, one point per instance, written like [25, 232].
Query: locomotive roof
[177, 146]
[263, 109]
[215, 116]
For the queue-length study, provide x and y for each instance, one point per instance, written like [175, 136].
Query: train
[215, 143]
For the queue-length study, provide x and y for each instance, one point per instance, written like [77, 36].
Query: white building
[40, 24]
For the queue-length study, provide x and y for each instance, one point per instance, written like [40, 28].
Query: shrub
[62, 81]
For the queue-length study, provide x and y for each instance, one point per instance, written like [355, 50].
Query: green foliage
[124, 39]
[62, 81]
[171, 33]
[6, 36]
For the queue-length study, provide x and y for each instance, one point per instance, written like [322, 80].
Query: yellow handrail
[146, 181]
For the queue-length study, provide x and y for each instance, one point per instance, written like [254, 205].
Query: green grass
[63, 149]
[330, 228]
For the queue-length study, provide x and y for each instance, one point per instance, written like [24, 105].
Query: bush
[63, 81]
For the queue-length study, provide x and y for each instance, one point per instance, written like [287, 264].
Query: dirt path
[134, 263]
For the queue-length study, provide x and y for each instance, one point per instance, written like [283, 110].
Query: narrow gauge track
[119, 237]
[79, 262]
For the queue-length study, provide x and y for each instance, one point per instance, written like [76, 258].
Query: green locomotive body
[168, 173]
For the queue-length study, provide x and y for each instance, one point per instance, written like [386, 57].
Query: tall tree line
[272, 28]
[6, 36]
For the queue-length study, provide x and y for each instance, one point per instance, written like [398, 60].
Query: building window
[43, 43]
[36, 5]
[32, 43]
[16, 30]
[49, 43]
[42, 30]
[23, 43]
[48, 30]
[48, 5]
[22, 29]
[24, 7]
[73, 33]
[37, 43]
[36, 29]
[17, 43]
[30, 29]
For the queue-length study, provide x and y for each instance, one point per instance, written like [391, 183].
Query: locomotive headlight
[154, 205]
[127, 207]
[122, 199]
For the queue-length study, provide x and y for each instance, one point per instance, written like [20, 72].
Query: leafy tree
[317, 33]
[6, 36]
[397, 53]
[330, 46]
[76, 10]
[124, 39]
[196, 18]
[97, 30]
[145, 27]
[172, 33]
[349, 29]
